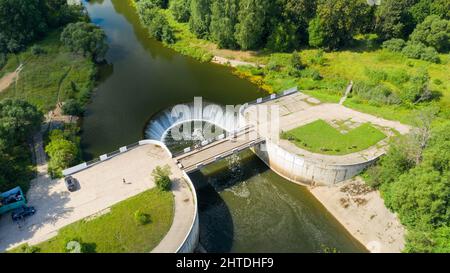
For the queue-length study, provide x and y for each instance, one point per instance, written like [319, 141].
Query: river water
[244, 206]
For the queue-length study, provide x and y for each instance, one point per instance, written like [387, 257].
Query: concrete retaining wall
[191, 241]
[299, 170]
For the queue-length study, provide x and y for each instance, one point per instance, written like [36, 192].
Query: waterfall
[204, 116]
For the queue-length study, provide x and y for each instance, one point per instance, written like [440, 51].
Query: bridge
[193, 159]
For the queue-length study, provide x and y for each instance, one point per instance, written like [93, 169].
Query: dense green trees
[414, 178]
[18, 121]
[286, 25]
[22, 21]
[393, 19]
[250, 29]
[338, 21]
[434, 32]
[224, 15]
[85, 38]
[180, 9]
[200, 17]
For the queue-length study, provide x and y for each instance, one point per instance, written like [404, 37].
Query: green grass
[118, 231]
[320, 137]
[49, 75]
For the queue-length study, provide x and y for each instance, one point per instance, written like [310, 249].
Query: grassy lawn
[320, 137]
[118, 231]
[56, 72]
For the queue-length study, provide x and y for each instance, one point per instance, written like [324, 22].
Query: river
[243, 205]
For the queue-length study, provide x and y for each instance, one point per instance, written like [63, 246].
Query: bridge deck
[208, 154]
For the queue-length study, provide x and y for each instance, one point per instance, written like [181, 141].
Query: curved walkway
[100, 187]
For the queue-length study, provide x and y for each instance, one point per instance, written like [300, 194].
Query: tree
[200, 17]
[180, 10]
[298, 13]
[316, 33]
[62, 152]
[433, 31]
[161, 176]
[160, 29]
[21, 21]
[72, 107]
[425, 8]
[393, 19]
[223, 22]
[250, 29]
[18, 120]
[85, 38]
[338, 21]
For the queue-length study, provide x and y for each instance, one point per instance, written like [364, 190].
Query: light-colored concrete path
[100, 187]
[299, 109]
[364, 215]
[182, 220]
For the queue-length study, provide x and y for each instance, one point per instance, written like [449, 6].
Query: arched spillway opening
[186, 125]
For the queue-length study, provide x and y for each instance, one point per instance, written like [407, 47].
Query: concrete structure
[300, 166]
[101, 186]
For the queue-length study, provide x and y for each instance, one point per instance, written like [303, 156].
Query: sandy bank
[363, 213]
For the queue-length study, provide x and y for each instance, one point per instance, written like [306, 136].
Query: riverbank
[362, 212]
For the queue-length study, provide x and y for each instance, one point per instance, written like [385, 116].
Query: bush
[72, 107]
[420, 51]
[413, 50]
[26, 248]
[296, 61]
[74, 245]
[318, 58]
[394, 45]
[434, 32]
[37, 50]
[160, 29]
[141, 218]
[430, 54]
[63, 152]
[161, 178]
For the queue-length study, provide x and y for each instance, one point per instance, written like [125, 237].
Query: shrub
[74, 245]
[26, 248]
[434, 32]
[413, 50]
[430, 54]
[72, 107]
[437, 81]
[394, 45]
[159, 27]
[37, 50]
[398, 76]
[420, 51]
[296, 61]
[141, 218]
[318, 58]
[161, 178]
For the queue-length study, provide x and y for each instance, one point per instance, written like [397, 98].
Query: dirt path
[9, 78]
[232, 63]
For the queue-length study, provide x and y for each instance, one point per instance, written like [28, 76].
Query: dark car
[22, 212]
[70, 183]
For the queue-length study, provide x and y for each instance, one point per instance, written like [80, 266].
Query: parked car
[70, 183]
[22, 212]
